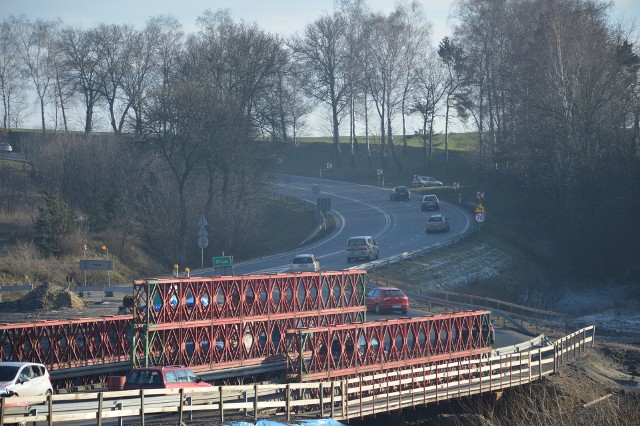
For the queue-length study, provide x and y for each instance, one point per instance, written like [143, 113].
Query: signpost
[221, 263]
[203, 238]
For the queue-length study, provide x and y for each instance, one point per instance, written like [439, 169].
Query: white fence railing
[341, 399]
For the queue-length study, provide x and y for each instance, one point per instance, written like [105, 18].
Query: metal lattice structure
[67, 343]
[345, 350]
[180, 300]
[231, 322]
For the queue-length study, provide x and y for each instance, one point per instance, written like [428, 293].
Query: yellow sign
[480, 208]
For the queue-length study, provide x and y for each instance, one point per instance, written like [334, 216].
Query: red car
[173, 377]
[386, 299]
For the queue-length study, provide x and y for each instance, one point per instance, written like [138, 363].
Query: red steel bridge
[228, 328]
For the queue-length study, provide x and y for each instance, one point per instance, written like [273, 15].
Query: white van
[362, 247]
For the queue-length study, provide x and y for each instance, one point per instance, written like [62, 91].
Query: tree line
[550, 86]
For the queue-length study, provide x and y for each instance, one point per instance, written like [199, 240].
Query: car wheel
[377, 255]
[378, 310]
[48, 392]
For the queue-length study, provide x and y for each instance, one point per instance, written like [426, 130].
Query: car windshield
[8, 372]
[302, 260]
[145, 377]
[435, 219]
[356, 242]
[429, 198]
[393, 293]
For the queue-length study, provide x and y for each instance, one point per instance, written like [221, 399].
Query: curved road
[398, 226]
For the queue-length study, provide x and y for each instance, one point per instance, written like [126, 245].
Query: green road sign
[222, 261]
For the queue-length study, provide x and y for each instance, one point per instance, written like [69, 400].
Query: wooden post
[221, 404]
[593, 337]
[255, 402]
[288, 403]
[50, 406]
[142, 407]
[343, 387]
[2, 411]
[333, 413]
[99, 412]
[321, 400]
[180, 407]
[539, 363]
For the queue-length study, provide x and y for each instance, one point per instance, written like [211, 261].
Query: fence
[357, 397]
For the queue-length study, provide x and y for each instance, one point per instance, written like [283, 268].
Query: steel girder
[215, 344]
[67, 343]
[178, 300]
[345, 350]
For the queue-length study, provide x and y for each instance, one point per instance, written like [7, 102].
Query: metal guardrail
[364, 395]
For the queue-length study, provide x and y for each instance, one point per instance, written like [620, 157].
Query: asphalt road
[398, 226]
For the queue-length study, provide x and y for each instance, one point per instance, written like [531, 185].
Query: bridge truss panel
[67, 343]
[179, 300]
[231, 342]
[344, 350]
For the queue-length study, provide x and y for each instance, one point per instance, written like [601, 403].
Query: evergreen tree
[54, 219]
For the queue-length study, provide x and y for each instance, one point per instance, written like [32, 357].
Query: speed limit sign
[479, 217]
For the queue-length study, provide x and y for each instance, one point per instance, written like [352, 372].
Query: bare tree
[11, 84]
[35, 39]
[84, 60]
[322, 50]
[430, 90]
[116, 42]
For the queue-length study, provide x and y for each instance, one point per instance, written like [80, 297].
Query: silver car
[305, 263]
[426, 181]
[362, 247]
[437, 222]
[25, 378]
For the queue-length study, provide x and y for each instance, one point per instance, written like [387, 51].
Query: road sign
[479, 217]
[203, 232]
[202, 221]
[96, 265]
[329, 165]
[222, 261]
[379, 171]
[203, 241]
[456, 185]
[480, 195]
[480, 208]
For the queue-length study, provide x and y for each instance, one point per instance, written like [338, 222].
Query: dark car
[437, 222]
[400, 193]
[163, 378]
[429, 202]
[387, 299]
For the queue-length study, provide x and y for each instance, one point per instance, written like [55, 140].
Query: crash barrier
[542, 318]
[357, 397]
[345, 350]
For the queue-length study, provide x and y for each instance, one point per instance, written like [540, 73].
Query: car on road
[437, 222]
[400, 193]
[5, 147]
[305, 263]
[429, 202]
[384, 299]
[425, 181]
[362, 247]
[25, 378]
[169, 377]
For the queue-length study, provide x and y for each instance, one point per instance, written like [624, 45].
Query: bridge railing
[357, 397]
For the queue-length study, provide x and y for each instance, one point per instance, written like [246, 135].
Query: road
[398, 226]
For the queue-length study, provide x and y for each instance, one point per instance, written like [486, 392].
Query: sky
[283, 17]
